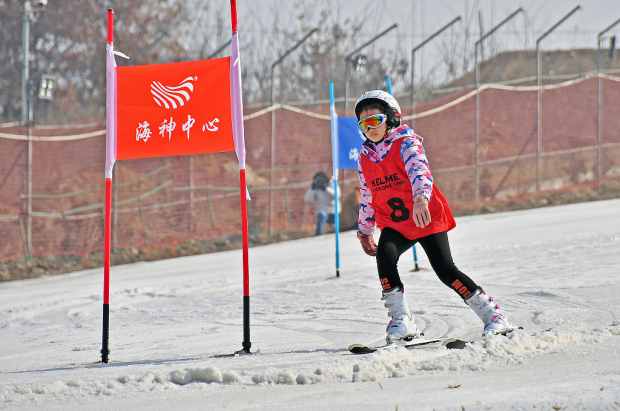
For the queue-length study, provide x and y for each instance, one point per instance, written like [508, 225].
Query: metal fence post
[538, 83]
[600, 98]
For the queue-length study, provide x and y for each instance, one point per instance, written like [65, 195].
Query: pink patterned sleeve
[366, 220]
[416, 166]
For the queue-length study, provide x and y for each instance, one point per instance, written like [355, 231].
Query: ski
[450, 343]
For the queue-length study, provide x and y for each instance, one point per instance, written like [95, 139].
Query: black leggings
[393, 244]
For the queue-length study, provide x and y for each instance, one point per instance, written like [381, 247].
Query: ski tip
[360, 349]
[455, 344]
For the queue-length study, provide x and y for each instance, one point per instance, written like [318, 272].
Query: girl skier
[398, 195]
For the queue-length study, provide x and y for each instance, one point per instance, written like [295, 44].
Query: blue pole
[415, 259]
[335, 176]
[389, 84]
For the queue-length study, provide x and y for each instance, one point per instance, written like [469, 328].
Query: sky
[418, 19]
[429, 15]
[553, 271]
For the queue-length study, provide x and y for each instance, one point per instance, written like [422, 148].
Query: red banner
[174, 109]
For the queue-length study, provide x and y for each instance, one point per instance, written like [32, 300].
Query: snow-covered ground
[554, 271]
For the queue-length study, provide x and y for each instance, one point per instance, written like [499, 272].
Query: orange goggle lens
[373, 121]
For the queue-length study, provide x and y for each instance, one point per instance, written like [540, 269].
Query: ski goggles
[373, 121]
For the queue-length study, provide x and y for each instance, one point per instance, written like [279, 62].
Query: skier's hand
[368, 244]
[421, 215]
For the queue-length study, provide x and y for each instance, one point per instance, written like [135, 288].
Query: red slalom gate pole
[105, 351]
[246, 265]
[240, 144]
[233, 16]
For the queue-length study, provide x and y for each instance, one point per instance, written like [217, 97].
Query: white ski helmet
[392, 109]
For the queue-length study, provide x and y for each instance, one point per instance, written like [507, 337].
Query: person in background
[399, 196]
[321, 193]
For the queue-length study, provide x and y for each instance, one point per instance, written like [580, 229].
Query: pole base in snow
[106, 329]
[104, 356]
[246, 326]
[242, 351]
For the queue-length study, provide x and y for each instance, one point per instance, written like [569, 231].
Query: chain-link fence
[493, 144]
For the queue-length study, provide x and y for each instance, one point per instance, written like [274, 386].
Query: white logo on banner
[172, 97]
[354, 154]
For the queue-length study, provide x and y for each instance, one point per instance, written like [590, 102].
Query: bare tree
[306, 74]
[82, 25]
[156, 31]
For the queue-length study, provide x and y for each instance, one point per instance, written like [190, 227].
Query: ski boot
[495, 322]
[401, 326]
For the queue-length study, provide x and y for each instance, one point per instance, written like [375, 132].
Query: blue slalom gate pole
[415, 260]
[415, 254]
[335, 176]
